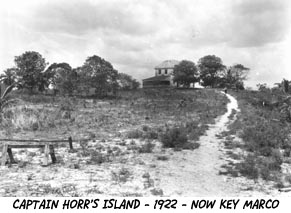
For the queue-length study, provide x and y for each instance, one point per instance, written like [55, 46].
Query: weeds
[175, 137]
[148, 181]
[98, 158]
[162, 158]
[121, 176]
[265, 131]
[134, 134]
[157, 192]
[147, 147]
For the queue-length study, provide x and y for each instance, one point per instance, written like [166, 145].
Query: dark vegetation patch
[264, 126]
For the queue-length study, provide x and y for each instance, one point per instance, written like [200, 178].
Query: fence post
[4, 154]
[71, 143]
[46, 155]
[10, 155]
[52, 154]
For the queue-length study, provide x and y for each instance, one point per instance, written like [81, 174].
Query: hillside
[144, 143]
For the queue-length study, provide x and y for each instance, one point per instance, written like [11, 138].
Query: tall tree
[99, 74]
[211, 70]
[30, 66]
[65, 79]
[126, 82]
[185, 73]
[285, 85]
[235, 76]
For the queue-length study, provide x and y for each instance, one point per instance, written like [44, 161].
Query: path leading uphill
[196, 173]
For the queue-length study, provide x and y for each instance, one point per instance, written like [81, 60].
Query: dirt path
[182, 173]
[196, 173]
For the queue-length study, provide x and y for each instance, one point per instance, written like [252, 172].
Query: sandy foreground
[164, 172]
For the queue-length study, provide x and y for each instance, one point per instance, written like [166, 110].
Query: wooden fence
[48, 145]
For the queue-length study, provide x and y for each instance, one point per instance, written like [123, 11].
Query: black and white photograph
[145, 98]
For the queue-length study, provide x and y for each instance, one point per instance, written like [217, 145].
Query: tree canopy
[64, 77]
[30, 66]
[9, 76]
[235, 76]
[99, 74]
[185, 73]
[126, 82]
[211, 68]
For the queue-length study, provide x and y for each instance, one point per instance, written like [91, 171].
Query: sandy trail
[184, 173]
[196, 173]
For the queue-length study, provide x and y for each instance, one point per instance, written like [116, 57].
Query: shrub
[146, 147]
[97, 157]
[264, 136]
[174, 138]
[145, 128]
[66, 105]
[121, 176]
[134, 134]
[162, 158]
[157, 192]
[249, 167]
[150, 134]
[191, 146]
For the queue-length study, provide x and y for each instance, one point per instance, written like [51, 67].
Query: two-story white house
[163, 75]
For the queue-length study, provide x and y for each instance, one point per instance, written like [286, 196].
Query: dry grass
[142, 114]
[124, 135]
[265, 132]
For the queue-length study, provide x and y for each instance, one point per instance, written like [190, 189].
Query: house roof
[158, 78]
[167, 64]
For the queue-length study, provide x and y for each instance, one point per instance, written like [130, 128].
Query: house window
[160, 72]
[166, 71]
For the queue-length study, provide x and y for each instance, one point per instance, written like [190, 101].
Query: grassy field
[125, 138]
[130, 115]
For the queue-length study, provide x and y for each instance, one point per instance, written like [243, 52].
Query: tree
[185, 73]
[135, 84]
[5, 100]
[235, 76]
[126, 82]
[65, 79]
[211, 70]
[99, 74]
[30, 66]
[285, 85]
[262, 87]
[9, 76]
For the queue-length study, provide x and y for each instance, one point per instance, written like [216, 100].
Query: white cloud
[136, 35]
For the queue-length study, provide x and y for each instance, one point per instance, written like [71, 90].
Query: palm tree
[9, 76]
[5, 101]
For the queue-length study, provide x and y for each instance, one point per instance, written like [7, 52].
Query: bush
[67, 105]
[249, 167]
[146, 148]
[134, 134]
[174, 138]
[264, 136]
[150, 134]
[98, 158]
[270, 166]
[162, 157]
[265, 131]
[121, 176]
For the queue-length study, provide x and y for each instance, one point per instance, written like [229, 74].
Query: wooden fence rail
[48, 146]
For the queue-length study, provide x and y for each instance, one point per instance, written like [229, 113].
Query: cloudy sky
[136, 35]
